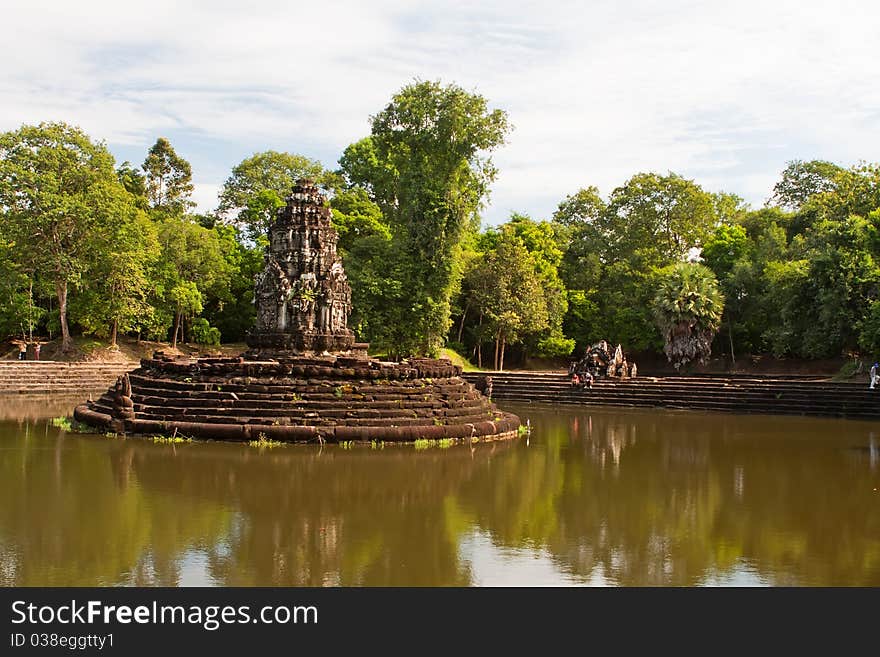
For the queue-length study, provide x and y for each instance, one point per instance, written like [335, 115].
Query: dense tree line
[88, 246]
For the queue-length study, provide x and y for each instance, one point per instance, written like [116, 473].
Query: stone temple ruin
[303, 378]
[303, 297]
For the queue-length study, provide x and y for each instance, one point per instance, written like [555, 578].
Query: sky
[722, 93]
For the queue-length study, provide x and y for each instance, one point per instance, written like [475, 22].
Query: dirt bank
[90, 350]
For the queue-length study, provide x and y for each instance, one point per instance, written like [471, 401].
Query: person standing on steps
[22, 350]
[875, 376]
[37, 351]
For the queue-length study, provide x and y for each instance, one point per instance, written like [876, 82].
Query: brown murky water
[597, 497]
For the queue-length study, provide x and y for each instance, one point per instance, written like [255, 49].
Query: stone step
[287, 390]
[280, 385]
[719, 405]
[646, 385]
[51, 387]
[105, 380]
[794, 395]
[709, 385]
[824, 409]
[315, 404]
[58, 377]
[12, 364]
[354, 422]
[799, 396]
[671, 399]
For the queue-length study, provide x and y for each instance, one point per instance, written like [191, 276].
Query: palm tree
[687, 310]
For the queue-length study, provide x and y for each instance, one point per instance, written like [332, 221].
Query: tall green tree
[800, 181]
[191, 264]
[727, 254]
[580, 233]
[431, 176]
[135, 183]
[229, 306]
[508, 293]
[613, 251]
[543, 246]
[113, 296]
[356, 217]
[19, 314]
[168, 179]
[688, 308]
[258, 186]
[656, 219]
[56, 186]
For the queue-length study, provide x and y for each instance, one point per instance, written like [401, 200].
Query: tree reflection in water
[628, 497]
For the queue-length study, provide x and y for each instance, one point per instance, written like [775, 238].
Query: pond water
[591, 497]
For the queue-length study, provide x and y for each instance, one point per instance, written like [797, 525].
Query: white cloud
[721, 93]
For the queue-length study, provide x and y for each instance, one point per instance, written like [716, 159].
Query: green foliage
[583, 208]
[506, 289]
[57, 188]
[115, 295]
[540, 240]
[373, 268]
[205, 334]
[192, 265]
[687, 308]
[555, 346]
[171, 440]
[612, 252]
[135, 183]
[725, 247]
[582, 320]
[62, 422]
[264, 442]
[168, 179]
[356, 217]
[578, 224]
[526, 245]
[258, 186]
[800, 181]
[229, 304]
[814, 272]
[19, 315]
[426, 167]
[425, 443]
[655, 220]
[869, 330]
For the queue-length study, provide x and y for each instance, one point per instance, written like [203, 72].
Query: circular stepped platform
[298, 399]
[739, 394]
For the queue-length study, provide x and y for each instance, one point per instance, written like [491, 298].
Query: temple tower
[302, 295]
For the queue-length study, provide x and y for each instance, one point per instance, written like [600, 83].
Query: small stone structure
[304, 378]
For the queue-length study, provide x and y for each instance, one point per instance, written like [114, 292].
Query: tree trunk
[30, 335]
[113, 330]
[497, 349]
[501, 362]
[176, 328]
[461, 326]
[480, 345]
[730, 335]
[61, 292]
